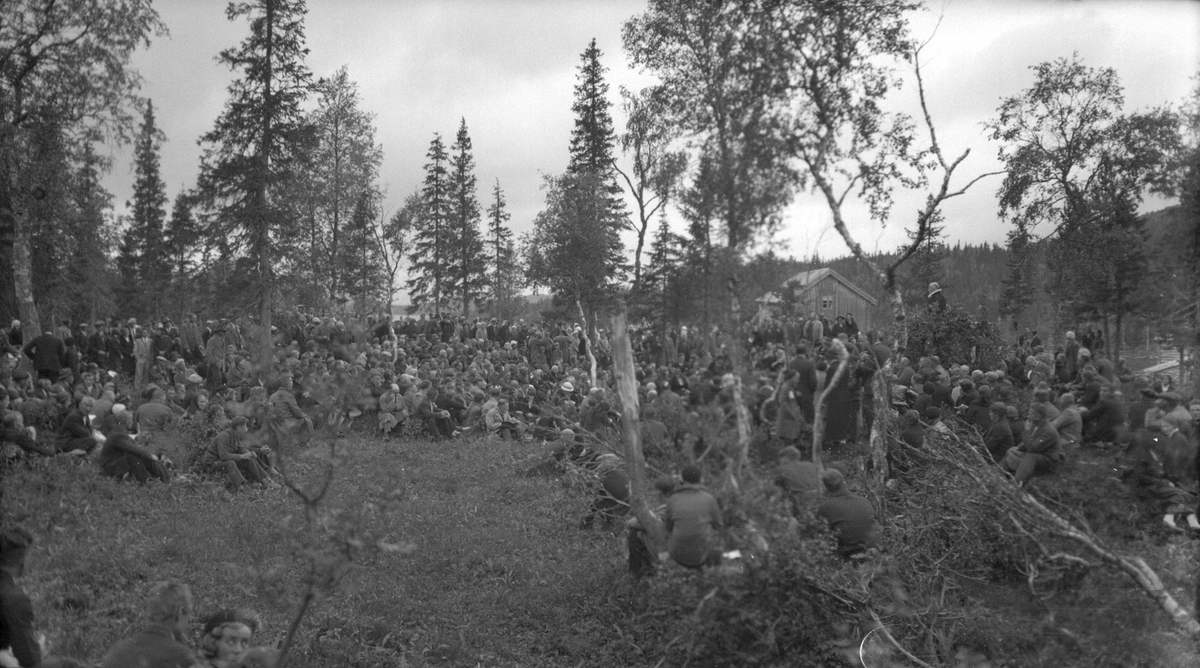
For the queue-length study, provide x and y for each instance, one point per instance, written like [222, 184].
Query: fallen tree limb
[1029, 515]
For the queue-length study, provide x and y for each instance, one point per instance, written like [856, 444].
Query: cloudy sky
[508, 68]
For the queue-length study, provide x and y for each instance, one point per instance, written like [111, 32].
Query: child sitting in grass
[226, 638]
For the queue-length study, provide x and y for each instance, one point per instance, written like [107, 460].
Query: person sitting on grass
[437, 420]
[160, 644]
[1040, 453]
[692, 519]
[850, 516]
[500, 423]
[1105, 423]
[76, 435]
[14, 431]
[226, 638]
[800, 480]
[1159, 459]
[228, 454]
[392, 413]
[121, 457]
[998, 439]
[643, 554]
[612, 494]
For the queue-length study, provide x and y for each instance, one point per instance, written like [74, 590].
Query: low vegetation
[448, 554]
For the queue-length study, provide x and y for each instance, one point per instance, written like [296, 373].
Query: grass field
[498, 573]
[445, 554]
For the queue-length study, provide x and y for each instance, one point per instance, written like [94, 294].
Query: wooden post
[635, 464]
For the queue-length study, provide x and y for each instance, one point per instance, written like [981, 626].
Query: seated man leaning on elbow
[227, 454]
[850, 516]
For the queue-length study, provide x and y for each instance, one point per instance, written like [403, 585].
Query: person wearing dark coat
[692, 520]
[612, 495]
[1041, 452]
[75, 434]
[121, 457]
[49, 355]
[998, 437]
[850, 516]
[911, 432]
[17, 633]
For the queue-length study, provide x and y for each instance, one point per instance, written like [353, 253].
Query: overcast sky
[508, 68]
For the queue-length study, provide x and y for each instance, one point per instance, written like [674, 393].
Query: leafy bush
[955, 337]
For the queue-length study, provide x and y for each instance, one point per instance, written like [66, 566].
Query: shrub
[955, 337]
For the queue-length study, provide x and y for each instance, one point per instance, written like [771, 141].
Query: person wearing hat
[692, 520]
[935, 301]
[851, 518]
[169, 611]
[226, 637]
[1169, 409]
[1041, 452]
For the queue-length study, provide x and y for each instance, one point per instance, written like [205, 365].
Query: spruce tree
[345, 164]
[182, 237]
[500, 248]
[88, 272]
[468, 261]
[257, 143]
[593, 138]
[359, 256]
[148, 212]
[427, 275]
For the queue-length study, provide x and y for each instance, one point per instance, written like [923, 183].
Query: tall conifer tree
[500, 248]
[427, 276]
[256, 145]
[593, 139]
[148, 213]
[467, 261]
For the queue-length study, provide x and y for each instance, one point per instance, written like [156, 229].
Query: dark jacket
[75, 433]
[999, 438]
[692, 516]
[47, 352]
[16, 623]
[851, 519]
[156, 647]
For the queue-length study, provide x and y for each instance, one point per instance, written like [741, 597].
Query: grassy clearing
[498, 574]
[501, 576]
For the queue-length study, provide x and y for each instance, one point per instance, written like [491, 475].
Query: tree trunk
[879, 426]
[23, 277]
[1115, 344]
[737, 358]
[627, 383]
[588, 340]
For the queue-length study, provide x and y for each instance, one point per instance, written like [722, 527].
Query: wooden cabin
[821, 292]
